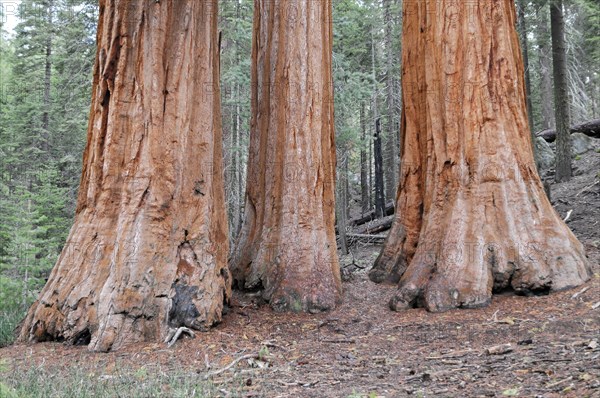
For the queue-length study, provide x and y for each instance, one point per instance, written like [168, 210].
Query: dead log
[371, 215]
[366, 238]
[590, 128]
[376, 226]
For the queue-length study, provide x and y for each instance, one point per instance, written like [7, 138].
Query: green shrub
[12, 309]
[7, 392]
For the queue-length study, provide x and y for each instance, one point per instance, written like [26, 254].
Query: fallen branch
[269, 343]
[299, 383]
[340, 341]
[587, 188]
[559, 382]
[591, 129]
[568, 215]
[371, 215]
[458, 354]
[597, 305]
[376, 226]
[494, 317]
[499, 349]
[231, 365]
[366, 236]
[174, 335]
[579, 293]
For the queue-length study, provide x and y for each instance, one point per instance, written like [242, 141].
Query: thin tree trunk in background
[148, 249]
[456, 177]
[346, 170]
[545, 70]
[287, 243]
[377, 144]
[391, 164]
[47, 83]
[379, 184]
[342, 203]
[228, 155]
[561, 93]
[238, 189]
[370, 162]
[364, 167]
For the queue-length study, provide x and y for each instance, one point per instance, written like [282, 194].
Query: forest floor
[362, 349]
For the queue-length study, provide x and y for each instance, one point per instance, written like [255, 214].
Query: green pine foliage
[45, 74]
[582, 25]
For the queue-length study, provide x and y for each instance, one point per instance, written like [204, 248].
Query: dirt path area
[364, 349]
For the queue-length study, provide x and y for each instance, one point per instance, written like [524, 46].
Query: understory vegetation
[86, 382]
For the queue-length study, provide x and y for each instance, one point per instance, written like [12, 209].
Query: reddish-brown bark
[287, 241]
[472, 216]
[148, 247]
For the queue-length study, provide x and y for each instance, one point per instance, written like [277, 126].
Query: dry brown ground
[363, 347]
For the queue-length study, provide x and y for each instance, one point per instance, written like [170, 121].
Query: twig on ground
[340, 341]
[579, 293]
[269, 343]
[232, 364]
[299, 383]
[457, 354]
[568, 215]
[327, 322]
[587, 188]
[494, 317]
[174, 335]
[596, 305]
[223, 391]
[499, 349]
[559, 382]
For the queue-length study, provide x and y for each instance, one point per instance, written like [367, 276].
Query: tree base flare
[310, 300]
[443, 279]
[472, 215]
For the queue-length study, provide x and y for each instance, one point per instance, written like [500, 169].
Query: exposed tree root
[175, 334]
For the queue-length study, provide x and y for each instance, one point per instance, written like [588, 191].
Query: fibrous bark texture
[287, 242]
[472, 217]
[148, 248]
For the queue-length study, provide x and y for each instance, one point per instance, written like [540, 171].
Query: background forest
[46, 63]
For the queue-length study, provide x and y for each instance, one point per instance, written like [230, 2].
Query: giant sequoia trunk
[287, 242]
[148, 249]
[472, 217]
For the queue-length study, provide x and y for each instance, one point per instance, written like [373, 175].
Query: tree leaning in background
[472, 216]
[287, 241]
[148, 247]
